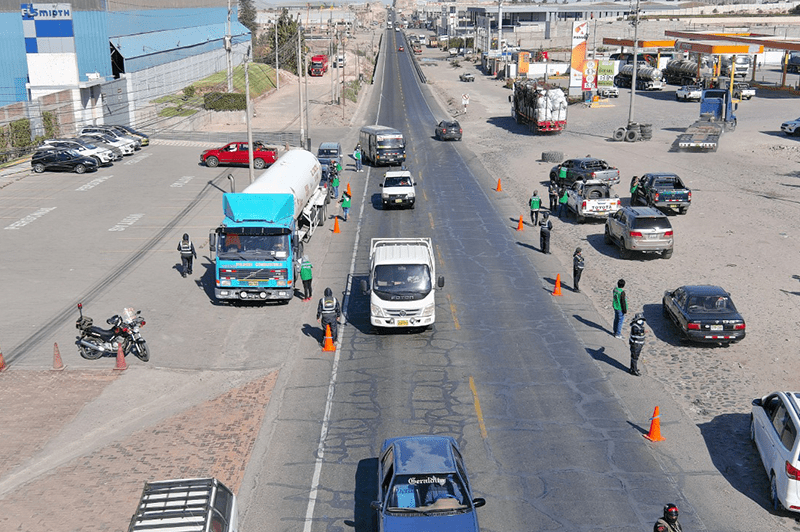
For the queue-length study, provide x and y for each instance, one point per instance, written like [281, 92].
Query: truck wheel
[624, 253]
[632, 135]
[607, 237]
[212, 162]
[552, 156]
[553, 176]
[682, 210]
[323, 214]
[580, 219]
[619, 134]
[667, 254]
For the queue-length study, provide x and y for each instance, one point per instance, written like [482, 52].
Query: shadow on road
[601, 356]
[365, 492]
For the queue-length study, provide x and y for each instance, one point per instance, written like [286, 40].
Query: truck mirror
[212, 242]
[381, 185]
[736, 107]
[509, 98]
[440, 281]
[364, 287]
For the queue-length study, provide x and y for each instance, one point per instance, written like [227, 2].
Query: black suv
[448, 130]
[62, 160]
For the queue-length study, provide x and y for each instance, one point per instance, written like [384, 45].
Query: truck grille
[403, 313]
[261, 274]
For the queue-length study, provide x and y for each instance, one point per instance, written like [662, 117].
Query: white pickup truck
[591, 199]
[743, 91]
[398, 190]
[688, 93]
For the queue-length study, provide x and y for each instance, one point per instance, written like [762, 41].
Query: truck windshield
[402, 280]
[253, 247]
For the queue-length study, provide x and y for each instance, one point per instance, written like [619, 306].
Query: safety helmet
[638, 317]
[578, 250]
[328, 292]
[545, 215]
[671, 513]
[186, 236]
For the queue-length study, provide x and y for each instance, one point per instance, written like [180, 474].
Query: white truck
[186, 505]
[400, 286]
[398, 190]
[591, 199]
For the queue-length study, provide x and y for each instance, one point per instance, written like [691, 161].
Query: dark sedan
[448, 130]
[62, 160]
[705, 314]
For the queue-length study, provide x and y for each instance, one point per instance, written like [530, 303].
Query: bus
[382, 145]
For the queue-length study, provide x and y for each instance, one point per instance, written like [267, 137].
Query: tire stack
[646, 131]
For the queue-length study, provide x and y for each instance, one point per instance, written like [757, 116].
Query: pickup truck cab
[662, 190]
[743, 91]
[237, 153]
[689, 93]
[608, 92]
[586, 168]
[398, 190]
[591, 199]
[466, 76]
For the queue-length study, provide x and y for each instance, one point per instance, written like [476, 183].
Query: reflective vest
[329, 305]
[562, 172]
[536, 202]
[345, 201]
[617, 298]
[335, 182]
[186, 248]
[305, 270]
[637, 332]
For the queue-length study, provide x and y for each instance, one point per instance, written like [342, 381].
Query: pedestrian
[553, 193]
[188, 253]
[562, 174]
[577, 269]
[305, 276]
[669, 522]
[536, 204]
[634, 185]
[328, 311]
[335, 184]
[545, 226]
[357, 156]
[620, 305]
[345, 201]
[636, 342]
[562, 202]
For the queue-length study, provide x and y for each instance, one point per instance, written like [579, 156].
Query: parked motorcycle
[95, 342]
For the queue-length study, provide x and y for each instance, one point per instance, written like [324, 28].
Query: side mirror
[381, 185]
[478, 502]
[375, 505]
[414, 183]
[212, 241]
[757, 402]
[509, 98]
[440, 281]
[364, 287]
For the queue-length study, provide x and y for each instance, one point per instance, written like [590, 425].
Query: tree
[247, 16]
[287, 29]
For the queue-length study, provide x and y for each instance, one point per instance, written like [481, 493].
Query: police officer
[186, 248]
[553, 195]
[545, 226]
[636, 342]
[329, 311]
[577, 268]
[668, 523]
[536, 204]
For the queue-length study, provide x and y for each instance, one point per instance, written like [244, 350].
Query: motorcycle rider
[668, 523]
[329, 311]
[186, 248]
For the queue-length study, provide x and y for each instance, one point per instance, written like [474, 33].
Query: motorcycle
[95, 342]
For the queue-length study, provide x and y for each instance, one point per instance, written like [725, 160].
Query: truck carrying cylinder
[647, 77]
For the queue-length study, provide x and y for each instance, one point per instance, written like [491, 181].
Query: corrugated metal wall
[13, 66]
[131, 22]
[91, 43]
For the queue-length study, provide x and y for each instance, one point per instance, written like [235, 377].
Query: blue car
[423, 487]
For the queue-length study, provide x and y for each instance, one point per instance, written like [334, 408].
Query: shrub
[224, 101]
[20, 133]
[189, 91]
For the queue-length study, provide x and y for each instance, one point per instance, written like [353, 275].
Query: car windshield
[710, 305]
[397, 182]
[402, 279]
[328, 152]
[651, 223]
[247, 247]
[441, 492]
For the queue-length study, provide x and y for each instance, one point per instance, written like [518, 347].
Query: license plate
[716, 327]
[398, 200]
[652, 236]
[252, 283]
[402, 323]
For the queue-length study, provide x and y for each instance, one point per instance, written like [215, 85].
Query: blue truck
[716, 117]
[258, 246]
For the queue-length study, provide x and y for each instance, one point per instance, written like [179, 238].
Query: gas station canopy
[718, 49]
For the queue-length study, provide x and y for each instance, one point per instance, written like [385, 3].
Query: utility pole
[277, 68]
[229, 50]
[330, 57]
[344, 77]
[635, 61]
[300, 85]
[247, 110]
[308, 122]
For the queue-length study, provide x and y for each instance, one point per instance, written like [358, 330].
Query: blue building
[112, 57]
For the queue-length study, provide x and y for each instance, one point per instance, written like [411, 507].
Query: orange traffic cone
[328, 340]
[58, 365]
[3, 366]
[336, 226]
[348, 190]
[557, 290]
[519, 225]
[121, 364]
[655, 428]
[499, 186]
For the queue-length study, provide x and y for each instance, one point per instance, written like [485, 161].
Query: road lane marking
[22, 222]
[439, 254]
[424, 196]
[453, 312]
[182, 181]
[478, 411]
[430, 217]
[137, 158]
[93, 183]
[127, 222]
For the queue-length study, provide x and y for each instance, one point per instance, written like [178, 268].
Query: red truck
[237, 153]
[319, 65]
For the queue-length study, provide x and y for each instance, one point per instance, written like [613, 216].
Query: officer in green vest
[305, 276]
[620, 304]
[562, 202]
[335, 182]
[345, 201]
[536, 204]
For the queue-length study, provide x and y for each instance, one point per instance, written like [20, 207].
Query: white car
[398, 190]
[792, 127]
[102, 156]
[689, 92]
[126, 146]
[608, 92]
[774, 421]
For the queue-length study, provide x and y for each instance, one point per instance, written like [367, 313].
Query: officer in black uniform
[545, 226]
[186, 248]
[636, 342]
[329, 311]
[668, 523]
[578, 264]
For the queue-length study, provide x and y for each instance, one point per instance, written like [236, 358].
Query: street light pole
[635, 61]
[247, 119]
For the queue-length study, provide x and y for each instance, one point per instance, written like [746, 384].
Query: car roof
[645, 212]
[422, 454]
[586, 159]
[705, 290]
[329, 146]
[660, 174]
[450, 122]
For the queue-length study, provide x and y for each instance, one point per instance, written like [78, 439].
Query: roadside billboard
[605, 73]
[578, 58]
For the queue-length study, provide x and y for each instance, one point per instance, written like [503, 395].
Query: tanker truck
[647, 78]
[542, 107]
[259, 244]
[685, 72]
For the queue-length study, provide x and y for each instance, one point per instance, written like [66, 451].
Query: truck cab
[401, 283]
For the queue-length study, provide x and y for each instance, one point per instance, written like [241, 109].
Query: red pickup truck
[319, 65]
[236, 153]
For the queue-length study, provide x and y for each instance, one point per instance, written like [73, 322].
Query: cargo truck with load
[259, 244]
[542, 107]
[647, 78]
[400, 285]
[716, 117]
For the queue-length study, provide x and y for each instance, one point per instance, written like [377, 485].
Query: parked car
[113, 133]
[591, 199]
[398, 190]
[792, 127]
[583, 169]
[102, 156]
[743, 91]
[144, 139]
[662, 190]
[642, 229]
[774, 421]
[467, 76]
[448, 130]
[100, 143]
[126, 146]
[327, 152]
[62, 161]
[423, 485]
[689, 92]
[704, 313]
[608, 92]
[238, 153]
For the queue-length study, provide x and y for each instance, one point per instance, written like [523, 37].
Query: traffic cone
[519, 225]
[58, 365]
[3, 366]
[655, 428]
[499, 186]
[336, 225]
[328, 340]
[557, 291]
[121, 364]
[348, 190]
